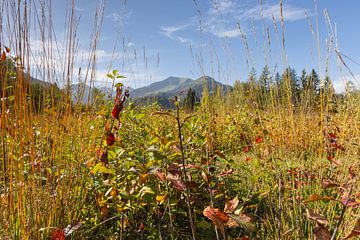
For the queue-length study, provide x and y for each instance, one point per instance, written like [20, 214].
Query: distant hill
[164, 90]
[160, 92]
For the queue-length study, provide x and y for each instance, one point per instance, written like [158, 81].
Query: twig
[342, 214]
[193, 231]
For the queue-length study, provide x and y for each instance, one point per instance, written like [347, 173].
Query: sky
[224, 39]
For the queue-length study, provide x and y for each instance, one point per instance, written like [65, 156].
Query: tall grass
[281, 153]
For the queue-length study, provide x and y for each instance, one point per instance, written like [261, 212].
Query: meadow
[269, 159]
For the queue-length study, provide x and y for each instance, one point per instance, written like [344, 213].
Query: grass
[245, 165]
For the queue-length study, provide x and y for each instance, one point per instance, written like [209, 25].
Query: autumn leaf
[3, 56]
[58, 234]
[310, 214]
[321, 233]
[356, 230]
[110, 139]
[160, 175]
[176, 182]
[231, 205]
[259, 140]
[217, 217]
[161, 198]
[226, 172]
[220, 154]
[116, 110]
[246, 149]
[328, 184]
[205, 176]
[143, 178]
[240, 220]
[316, 197]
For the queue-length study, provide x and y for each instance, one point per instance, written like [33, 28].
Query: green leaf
[110, 76]
[146, 190]
[100, 168]
[119, 84]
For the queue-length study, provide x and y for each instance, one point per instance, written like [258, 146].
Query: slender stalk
[192, 224]
[333, 237]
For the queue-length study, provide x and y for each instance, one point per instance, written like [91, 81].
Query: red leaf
[217, 217]
[58, 234]
[104, 157]
[215, 214]
[116, 110]
[110, 140]
[246, 149]
[332, 135]
[258, 140]
[3, 56]
[7, 49]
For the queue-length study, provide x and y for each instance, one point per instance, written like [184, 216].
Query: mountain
[160, 92]
[173, 86]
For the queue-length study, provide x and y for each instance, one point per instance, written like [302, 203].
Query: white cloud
[227, 33]
[290, 13]
[223, 16]
[119, 19]
[222, 7]
[340, 83]
[131, 44]
[171, 32]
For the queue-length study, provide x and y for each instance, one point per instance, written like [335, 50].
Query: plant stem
[193, 230]
[342, 214]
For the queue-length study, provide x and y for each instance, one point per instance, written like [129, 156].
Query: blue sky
[160, 38]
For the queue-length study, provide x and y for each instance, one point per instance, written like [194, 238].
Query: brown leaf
[315, 197]
[192, 166]
[356, 230]
[240, 220]
[242, 238]
[217, 217]
[231, 205]
[226, 172]
[143, 178]
[310, 214]
[328, 184]
[160, 175]
[321, 233]
[205, 176]
[192, 184]
[176, 181]
[220, 154]
[215, 213]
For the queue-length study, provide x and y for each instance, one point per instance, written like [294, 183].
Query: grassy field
[248, 164]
